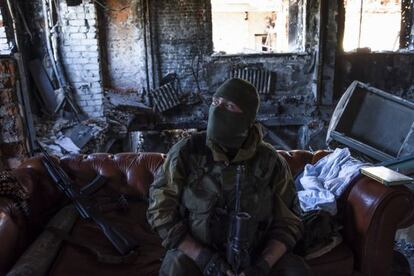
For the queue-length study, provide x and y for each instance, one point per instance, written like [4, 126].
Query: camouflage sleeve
[286, 227]
[164, 198]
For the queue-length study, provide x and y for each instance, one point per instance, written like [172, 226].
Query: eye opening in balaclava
[229, 129]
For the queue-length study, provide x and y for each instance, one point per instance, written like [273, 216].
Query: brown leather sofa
[372, 214]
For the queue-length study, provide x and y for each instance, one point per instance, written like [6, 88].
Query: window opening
[258, 26]
[372, 24]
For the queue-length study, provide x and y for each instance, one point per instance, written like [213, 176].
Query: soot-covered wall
[387, 70]
[141, 41]
[181, 38]
[122, 45]
[391, 72]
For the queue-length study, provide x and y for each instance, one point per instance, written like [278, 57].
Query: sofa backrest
[132, 173]
[127, 173]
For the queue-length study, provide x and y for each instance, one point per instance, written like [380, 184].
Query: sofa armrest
[373, 213]
[20, 225]
[12, 233]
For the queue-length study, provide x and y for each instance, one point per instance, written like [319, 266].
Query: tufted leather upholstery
[372, 213]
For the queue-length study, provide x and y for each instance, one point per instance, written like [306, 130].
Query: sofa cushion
[393, 207]
[75, 260]
[129, 173]
[296, 159]
[339, 261]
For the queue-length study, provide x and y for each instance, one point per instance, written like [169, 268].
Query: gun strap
[100, 257]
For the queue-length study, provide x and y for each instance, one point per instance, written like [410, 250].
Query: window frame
[305, 47]
[407, 10]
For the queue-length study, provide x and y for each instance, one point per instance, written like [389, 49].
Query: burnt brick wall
[391, 72]
[122, 44]
[80, 49]
[181, 43]
[12, 137]
[184, 35]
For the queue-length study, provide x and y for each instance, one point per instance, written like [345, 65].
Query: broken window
[252, 26]
[376, 24]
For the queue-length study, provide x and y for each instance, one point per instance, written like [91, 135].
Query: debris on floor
[67, 137]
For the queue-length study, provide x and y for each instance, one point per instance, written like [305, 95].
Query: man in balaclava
[194, 196]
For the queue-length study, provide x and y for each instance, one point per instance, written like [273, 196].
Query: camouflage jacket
[195, 191]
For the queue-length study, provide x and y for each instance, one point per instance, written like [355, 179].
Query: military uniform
[194, 192]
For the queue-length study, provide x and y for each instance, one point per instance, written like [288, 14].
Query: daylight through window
[258, 26]
[373, 24]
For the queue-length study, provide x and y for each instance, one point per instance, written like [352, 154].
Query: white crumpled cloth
[322, 183]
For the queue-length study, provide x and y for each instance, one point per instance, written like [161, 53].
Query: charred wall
[13, 141]
[387, 70]
[181, 42]
[391, 72]
[142, 41]
[131, 45]
[122, 45]
[79, 46]
[76, 28]
[184, 35]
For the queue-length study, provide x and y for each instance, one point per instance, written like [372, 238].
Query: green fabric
[245, 151]
[177, 263]
[196, 187]
[242, 93]
[230, 129]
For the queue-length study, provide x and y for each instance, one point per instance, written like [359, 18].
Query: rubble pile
[63, 136]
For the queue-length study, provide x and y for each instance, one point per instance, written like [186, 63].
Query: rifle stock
[123, 242]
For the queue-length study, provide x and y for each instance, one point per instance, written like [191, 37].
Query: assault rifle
[238, 240]
[123, 243]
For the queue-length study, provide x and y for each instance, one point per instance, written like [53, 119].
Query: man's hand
[272, 253]
[212, 263]
[260, 268]
[205, 259]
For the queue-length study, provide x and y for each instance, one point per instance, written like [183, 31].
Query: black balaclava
[229, 129]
